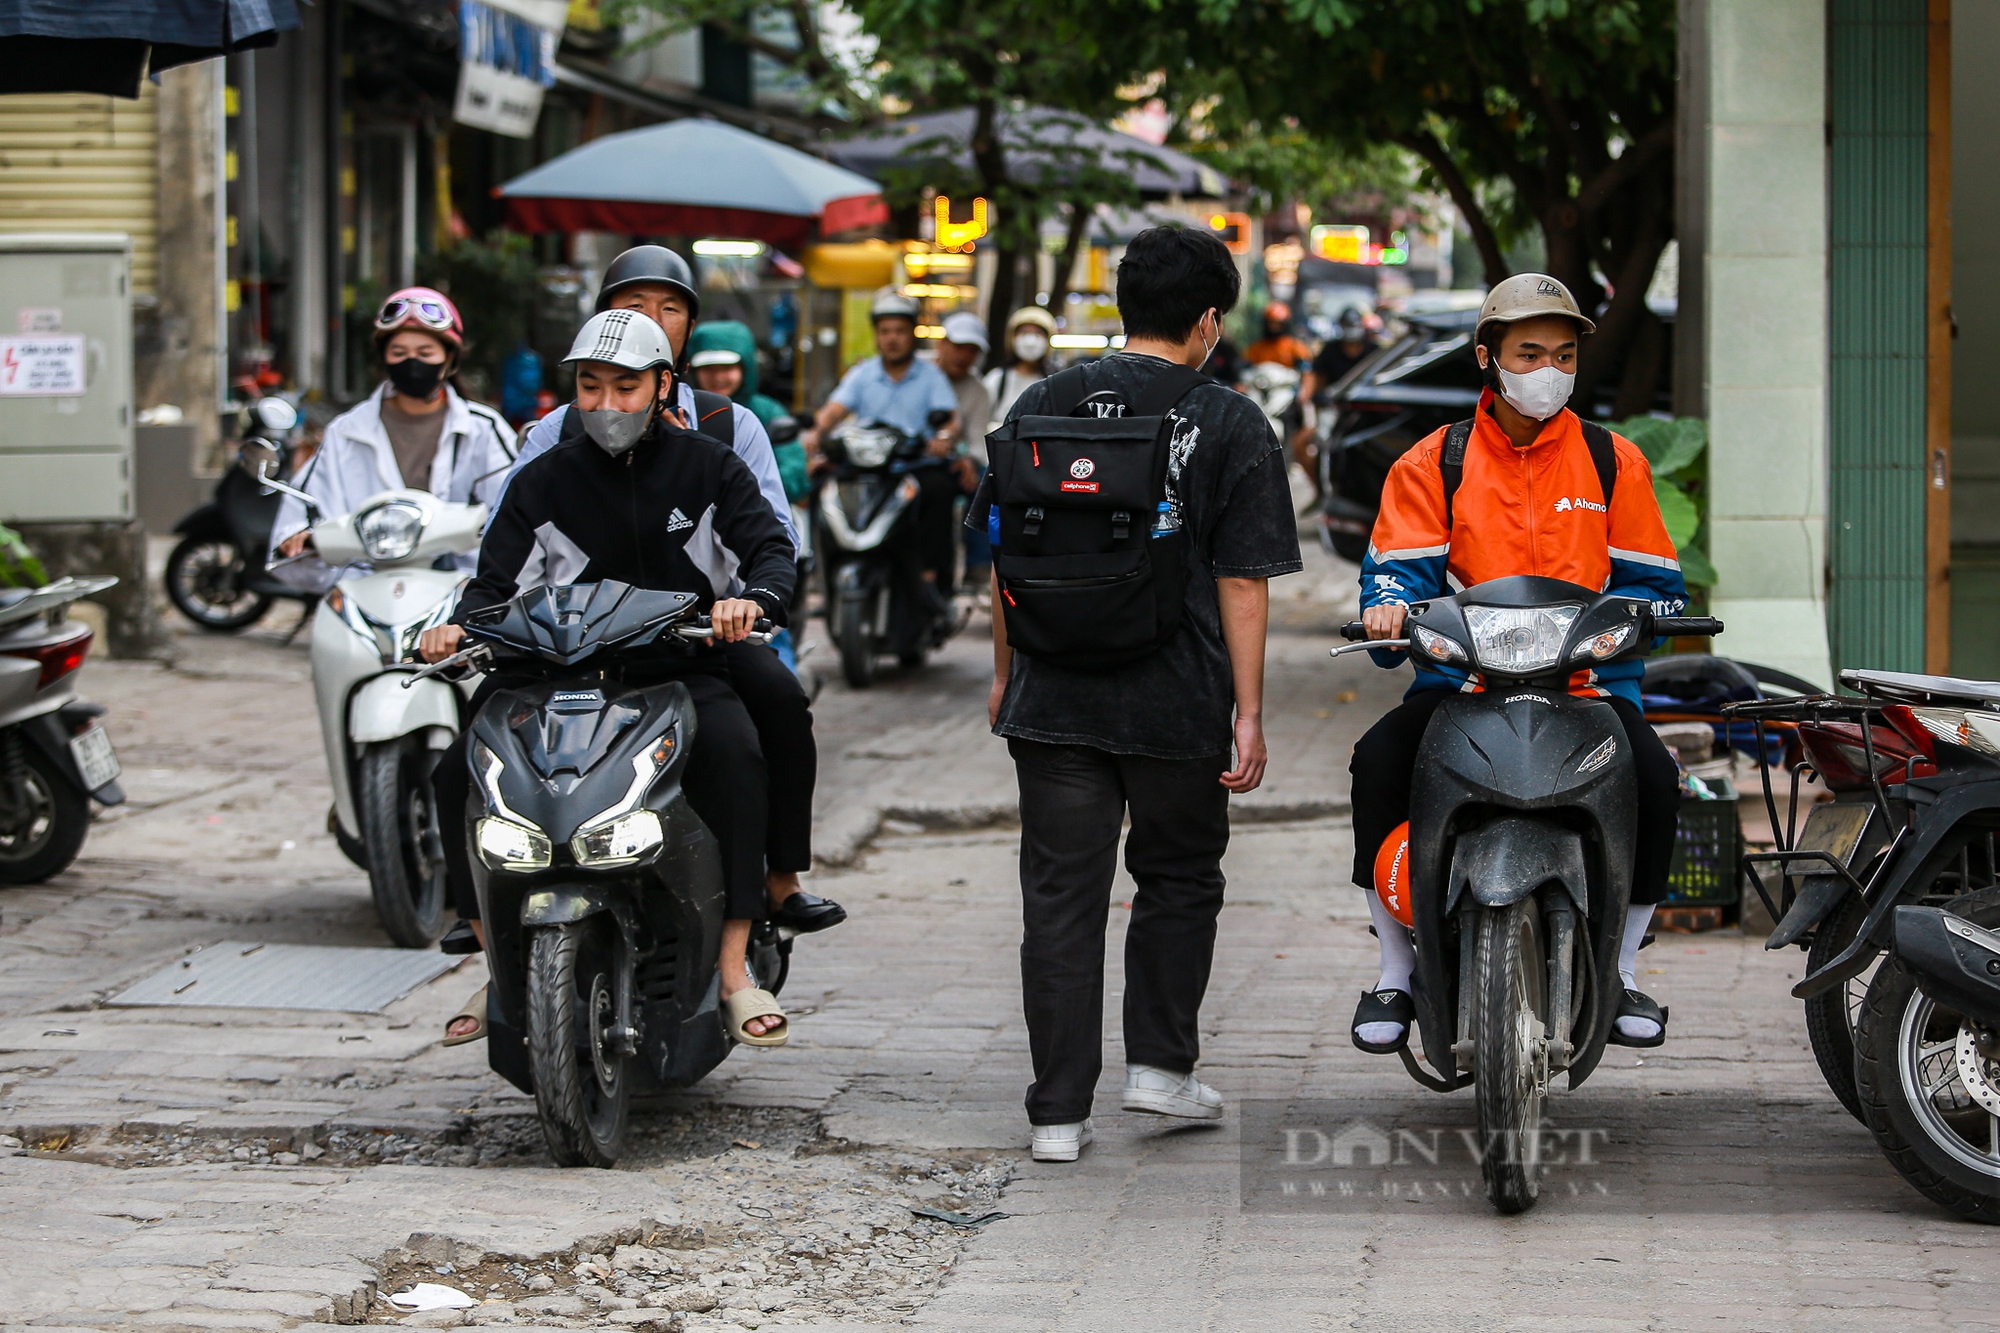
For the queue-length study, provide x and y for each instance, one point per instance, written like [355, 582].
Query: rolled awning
[107, 46]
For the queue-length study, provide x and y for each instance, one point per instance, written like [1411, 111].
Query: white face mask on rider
[1031, 345]
[1539, 394]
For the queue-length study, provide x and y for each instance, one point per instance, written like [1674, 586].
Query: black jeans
[724, 785]
[1385, 760]
[778, 705]
[937, 522]
[1073, 800]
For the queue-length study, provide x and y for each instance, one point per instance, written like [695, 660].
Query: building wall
[1765, 315]
[76, 162]
[1975, 399]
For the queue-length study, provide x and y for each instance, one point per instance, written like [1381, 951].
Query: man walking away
[1149, 735]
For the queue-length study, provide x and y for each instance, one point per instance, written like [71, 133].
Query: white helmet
[892, 304]
[625, 338]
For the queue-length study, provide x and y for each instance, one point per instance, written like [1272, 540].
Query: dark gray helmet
[649, 263]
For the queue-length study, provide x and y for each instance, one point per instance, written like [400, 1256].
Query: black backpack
[1084, 581]
[1451, 462]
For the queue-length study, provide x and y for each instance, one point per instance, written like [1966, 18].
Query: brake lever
[478, 653]
[1365, 645]
[708, 632]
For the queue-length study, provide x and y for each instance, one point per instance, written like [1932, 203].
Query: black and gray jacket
[679, 512]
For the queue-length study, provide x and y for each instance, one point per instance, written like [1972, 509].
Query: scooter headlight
[1600, 646]
[389, 531]
[870, 448]
[1519, 639]
[505, 845]
[1436, 646]
[618, 842]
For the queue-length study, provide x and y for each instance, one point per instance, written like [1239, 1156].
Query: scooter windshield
[568, 623]
[574, 732]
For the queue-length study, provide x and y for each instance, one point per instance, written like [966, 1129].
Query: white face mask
[1031, 345]
[1539, 394]
[1207, 347]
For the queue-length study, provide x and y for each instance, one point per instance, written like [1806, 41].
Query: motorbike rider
[898, 388]
[414, 431]
[1342, 353]
[1528, 502]
[1029, 330]
[699, 524]
[1278, 347]
[656, 282]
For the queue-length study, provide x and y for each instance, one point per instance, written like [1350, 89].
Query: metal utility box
[65, 377]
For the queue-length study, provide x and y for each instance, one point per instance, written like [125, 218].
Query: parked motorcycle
[600, 887]
[381, 737]
[1275, 390]
[865, 539]
[216, 574]
[1521, 842]
[55, 757]
[1893, 887]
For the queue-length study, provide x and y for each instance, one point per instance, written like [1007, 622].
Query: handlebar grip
[1354, 631]
[1686, 626]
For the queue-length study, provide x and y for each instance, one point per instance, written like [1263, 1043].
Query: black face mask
[416, 379]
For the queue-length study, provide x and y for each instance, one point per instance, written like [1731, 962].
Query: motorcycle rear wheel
[43, 833]
[1831, 1015]
[404, 844]
[581, 1092]
[204, 582]
[1510, 1027]
[851, 635]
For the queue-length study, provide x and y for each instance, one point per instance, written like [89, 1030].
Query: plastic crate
[1707, 848]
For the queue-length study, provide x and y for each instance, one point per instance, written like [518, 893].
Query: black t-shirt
[1334, 361]
[1226, 485]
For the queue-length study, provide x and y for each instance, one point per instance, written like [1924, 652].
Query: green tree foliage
[492, 282]
[1568, 104]
[1677, 451]
[18, 566]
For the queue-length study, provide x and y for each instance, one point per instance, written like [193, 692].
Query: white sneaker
[1153, 1091]
[1060, 1143]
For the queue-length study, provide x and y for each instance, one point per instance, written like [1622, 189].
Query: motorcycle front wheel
[1929, 1082]
[581, 1092]
[404, 843]
[43, 819]
[205, 583]
[853, 637]
[1510, 1026]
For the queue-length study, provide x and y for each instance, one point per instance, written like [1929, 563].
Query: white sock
[1399, 962]
[1637, 918]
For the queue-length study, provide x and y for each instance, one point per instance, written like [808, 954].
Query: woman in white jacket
[415, 431]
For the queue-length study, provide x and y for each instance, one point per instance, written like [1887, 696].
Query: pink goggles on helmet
[420, 308]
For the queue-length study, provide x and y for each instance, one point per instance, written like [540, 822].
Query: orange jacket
[1537, 510]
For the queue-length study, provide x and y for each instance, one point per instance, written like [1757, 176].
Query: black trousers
[937, 522]
[777, 703]
[1073, 800]
[724, 783]
[1385, 760]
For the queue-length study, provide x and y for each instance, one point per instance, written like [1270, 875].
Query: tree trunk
[989, 162]
[1002, 303]
[1467, 202]
[1635, 253]
[1079, 223]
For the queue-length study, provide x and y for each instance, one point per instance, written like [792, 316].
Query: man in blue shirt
[897, 389]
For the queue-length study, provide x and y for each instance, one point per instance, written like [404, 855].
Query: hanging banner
[507, 60]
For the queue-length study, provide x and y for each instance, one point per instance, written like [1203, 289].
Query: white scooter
[382, 739]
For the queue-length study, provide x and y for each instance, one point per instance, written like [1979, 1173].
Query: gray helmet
[649, 263]
[892, 304]
[1530, 296]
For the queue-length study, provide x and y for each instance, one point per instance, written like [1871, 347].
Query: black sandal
[1638, 1005]
[1384, 1006]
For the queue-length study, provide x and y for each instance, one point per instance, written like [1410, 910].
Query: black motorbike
[216, 574]
[1893, 888]
[866, 542]
[1521, 841]
[600, 887]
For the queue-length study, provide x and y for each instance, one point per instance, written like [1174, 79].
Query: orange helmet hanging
[1392, 873]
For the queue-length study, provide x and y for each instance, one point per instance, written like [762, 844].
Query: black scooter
[216, 575]
[1521, 839]
[1900, 873]
[600, 887]
[865, 538]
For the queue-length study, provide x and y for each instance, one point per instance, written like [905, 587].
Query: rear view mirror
[938, 418]
[275, 414]
[783, 430]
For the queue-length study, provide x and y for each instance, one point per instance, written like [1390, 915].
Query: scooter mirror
[784, 430]
[275, 414]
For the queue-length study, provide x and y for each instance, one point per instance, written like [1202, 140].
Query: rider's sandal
[475, 1009]
[1639, 1005]
[1384, 1006]
[746, 1005]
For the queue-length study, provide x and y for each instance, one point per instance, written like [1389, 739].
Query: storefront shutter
[77, 162]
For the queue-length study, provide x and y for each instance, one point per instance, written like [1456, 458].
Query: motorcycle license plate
[1834, 827]
[95, 757]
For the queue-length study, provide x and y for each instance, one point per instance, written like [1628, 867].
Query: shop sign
[507, 60]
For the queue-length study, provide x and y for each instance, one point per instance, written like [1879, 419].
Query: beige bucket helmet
[1529, 296]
